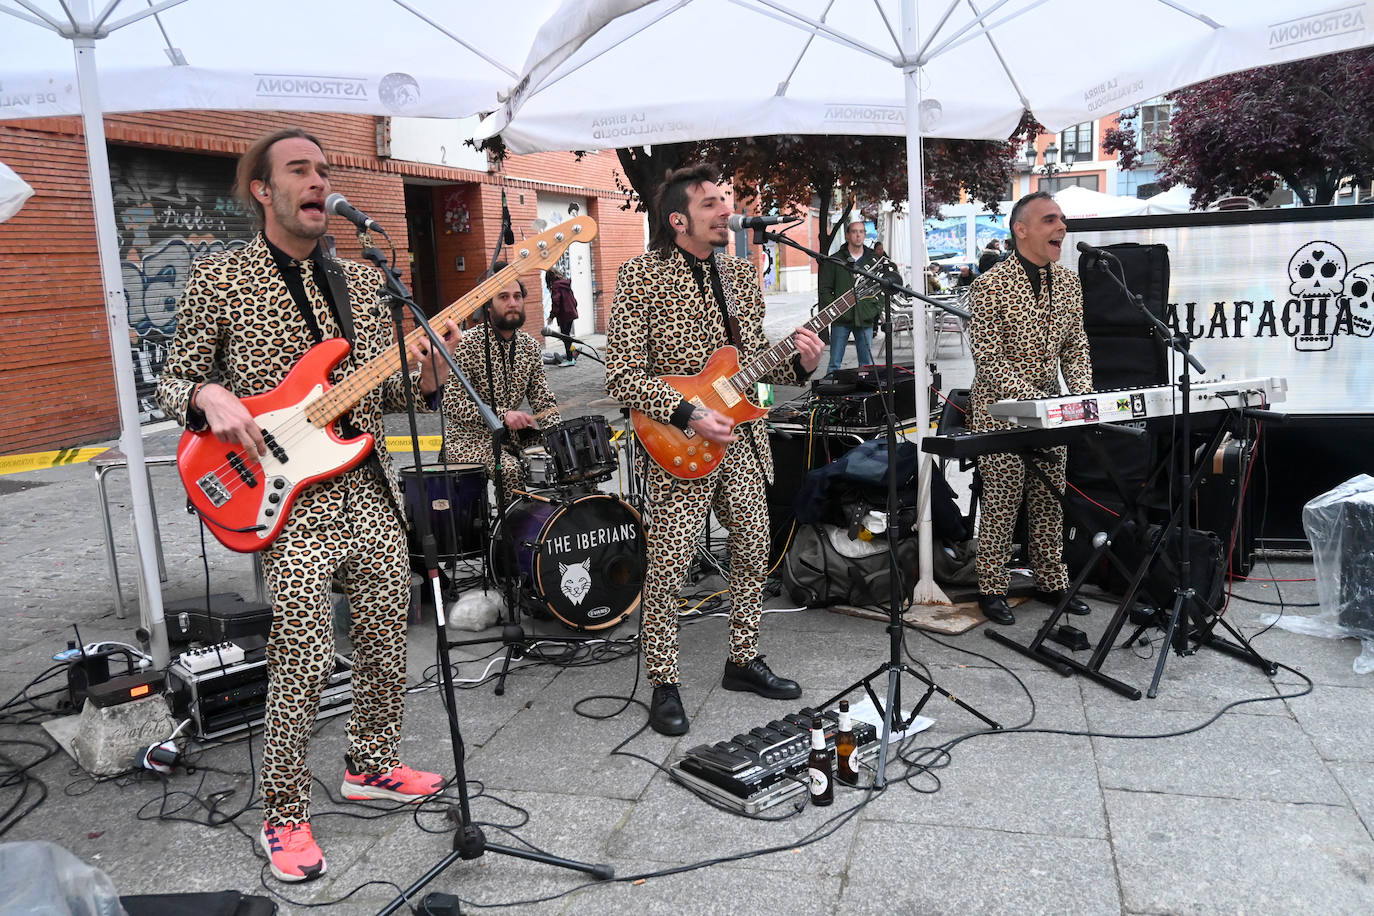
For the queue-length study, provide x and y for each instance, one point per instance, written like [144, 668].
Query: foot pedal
[1071, 637]
[210, 658]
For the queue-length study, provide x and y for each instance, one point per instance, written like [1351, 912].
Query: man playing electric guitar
[244, 320]
[674, 307]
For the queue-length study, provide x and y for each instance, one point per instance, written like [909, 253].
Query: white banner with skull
[1269, 292]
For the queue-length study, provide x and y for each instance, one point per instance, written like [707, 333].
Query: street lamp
[1051, 159]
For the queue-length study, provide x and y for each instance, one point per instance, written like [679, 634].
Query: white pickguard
[310, 452]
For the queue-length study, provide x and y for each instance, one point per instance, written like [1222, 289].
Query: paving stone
[1259, 757]
[1183, 854]
[918, 868]
[1338, 720]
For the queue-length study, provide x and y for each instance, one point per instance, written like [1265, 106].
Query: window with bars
[1078, 140]
[1154, 125]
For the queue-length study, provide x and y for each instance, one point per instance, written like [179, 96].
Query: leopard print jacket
[1019, 342]
[662, 325]
[237, 325]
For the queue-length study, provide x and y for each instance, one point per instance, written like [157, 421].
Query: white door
[576, 263]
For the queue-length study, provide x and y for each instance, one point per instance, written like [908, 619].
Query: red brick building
[172, 172]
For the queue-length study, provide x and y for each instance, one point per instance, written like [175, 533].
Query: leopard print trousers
[364, 547]
[677, 510]
[1005, 479]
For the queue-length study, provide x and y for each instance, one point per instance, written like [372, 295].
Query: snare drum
[581, 560]
[538, 465]
[455, 500]
[581, 450]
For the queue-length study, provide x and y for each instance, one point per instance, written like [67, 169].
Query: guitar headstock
[542, 251]
[866, 287]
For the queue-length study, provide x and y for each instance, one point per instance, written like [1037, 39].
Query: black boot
[755, 677]
[994, 608]
[666, 715]
[1075, 606]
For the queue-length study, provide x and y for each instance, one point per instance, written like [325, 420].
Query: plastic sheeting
[1340, 527]
[13, 192]
[43, 879]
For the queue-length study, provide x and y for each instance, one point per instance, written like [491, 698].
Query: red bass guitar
[246, 498]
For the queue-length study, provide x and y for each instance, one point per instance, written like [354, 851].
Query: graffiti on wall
[170, 209]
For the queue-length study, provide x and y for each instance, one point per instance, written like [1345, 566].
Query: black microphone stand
[889, 708]
[469, 842]
[1198, 623]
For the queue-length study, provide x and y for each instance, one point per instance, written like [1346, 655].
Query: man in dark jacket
[834, 282]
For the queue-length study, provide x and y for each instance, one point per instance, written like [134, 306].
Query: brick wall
[58, 387]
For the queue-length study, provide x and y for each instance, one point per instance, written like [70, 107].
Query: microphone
[1269, 416]
[507, 233]
[550, 332]
[1092, 252]
[337, 203]
[740, 222]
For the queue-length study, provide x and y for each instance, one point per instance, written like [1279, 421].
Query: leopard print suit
[238, 325]
[661, 324]
[1019, 343]
[517, 368]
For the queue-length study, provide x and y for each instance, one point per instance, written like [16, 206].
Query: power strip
[208, 658]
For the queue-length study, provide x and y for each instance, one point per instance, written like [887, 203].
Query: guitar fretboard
[338, 400]
[784, 349]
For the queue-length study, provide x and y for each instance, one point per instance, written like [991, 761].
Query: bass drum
[581, 560]
[454, 497]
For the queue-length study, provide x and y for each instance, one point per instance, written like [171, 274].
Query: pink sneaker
[292, 852]
[399, 784]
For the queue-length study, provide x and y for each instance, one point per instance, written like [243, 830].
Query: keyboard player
[1027, 326]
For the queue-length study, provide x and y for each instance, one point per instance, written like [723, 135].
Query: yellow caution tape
[37, 461]
[402, 443]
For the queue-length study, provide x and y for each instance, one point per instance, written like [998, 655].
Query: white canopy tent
[423, 58]
[1175, 200]
[611, 73]
[1083, 203]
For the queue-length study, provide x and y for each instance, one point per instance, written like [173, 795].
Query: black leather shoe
[1075, 606]
[755, 677]
[666, 715]
[994, 608]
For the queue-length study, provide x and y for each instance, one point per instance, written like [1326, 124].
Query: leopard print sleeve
[630, 341]
[195, 352]
[1076, 354]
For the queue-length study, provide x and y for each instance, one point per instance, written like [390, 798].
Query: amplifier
[225, 700]
[858, 402]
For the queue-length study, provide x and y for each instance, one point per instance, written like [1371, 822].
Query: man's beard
[508, 322]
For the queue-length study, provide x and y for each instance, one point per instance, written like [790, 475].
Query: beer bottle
[846, 749]
[820, 766]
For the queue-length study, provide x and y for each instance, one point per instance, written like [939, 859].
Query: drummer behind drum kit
[571, 551]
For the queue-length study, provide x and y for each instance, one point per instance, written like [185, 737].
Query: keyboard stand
[1036, 648]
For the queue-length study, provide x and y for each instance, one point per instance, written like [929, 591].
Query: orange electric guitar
[724, 387]
[246, 497]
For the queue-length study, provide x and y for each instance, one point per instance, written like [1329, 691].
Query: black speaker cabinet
[1217, 504]
[1357, 569]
